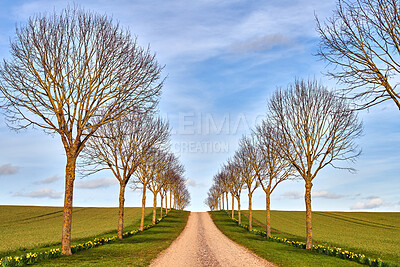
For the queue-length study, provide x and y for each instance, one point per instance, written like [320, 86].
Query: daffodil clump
[31, 258]
[331, 251]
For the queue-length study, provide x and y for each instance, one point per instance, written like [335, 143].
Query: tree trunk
[239, 215]
[161, 205]
[308, 215]
[122, 187]
[67, 213]
[174, 201]
[154, 207]
[170, 199]
[233, 206]
[268, 201]
[166, 203]
[250, 213]
[226, 197]
[223, 201]
[143, 207]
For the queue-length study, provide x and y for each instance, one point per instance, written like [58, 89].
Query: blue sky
[223, 60]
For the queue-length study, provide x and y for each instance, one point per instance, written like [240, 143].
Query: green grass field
[375, 234]
[25, 227]
[137, 250]
[279, 254]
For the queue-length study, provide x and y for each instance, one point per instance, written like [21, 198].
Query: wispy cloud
[41, 193]
[261, 44]
[8, 169]
[49, 180]
[293, 195]
[326, 194]
[314, 194]
[194, 183]
[96, 183]
[374, 202]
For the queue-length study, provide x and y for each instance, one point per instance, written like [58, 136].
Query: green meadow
[277, 253]
[137, 250]
[375, 234]
[26, 227]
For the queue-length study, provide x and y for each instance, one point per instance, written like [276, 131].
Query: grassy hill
[26, 227]
[375, 234]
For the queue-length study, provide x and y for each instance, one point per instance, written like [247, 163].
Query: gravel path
[202, 244]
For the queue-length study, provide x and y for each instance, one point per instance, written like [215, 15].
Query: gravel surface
[202, 244]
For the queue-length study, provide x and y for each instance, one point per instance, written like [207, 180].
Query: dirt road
[202, 244]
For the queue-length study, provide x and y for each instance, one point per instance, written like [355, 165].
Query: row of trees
[82, 77]
[307, 128]
[135, 149]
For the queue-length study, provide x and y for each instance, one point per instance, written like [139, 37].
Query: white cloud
[49, 180]
[8, 169]
[259, 44]
[326, 194]
[41, 193]
[314, 194]
[193, 183]
[374, 202]
[96, 183]
[293, 195]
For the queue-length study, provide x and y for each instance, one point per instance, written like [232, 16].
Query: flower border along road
[31, 258]
[330, 251]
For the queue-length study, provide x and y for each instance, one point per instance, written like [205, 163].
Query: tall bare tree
[237, 183]
[175, 172]
[121, 146]
[175, 187]
[145, 173]
[210, 202]
[249, 163]
[275, 168]
[67, 69]
[362, 42]
[183, 198]
[314, 128]
[229, 177]
[226, 183]
[163, 163]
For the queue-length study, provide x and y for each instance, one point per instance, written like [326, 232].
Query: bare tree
[67, 69]
[163, 165]
[121, 146]
[145, 173]
[275, 168]
[182, 195]
[249, 163]
[210, 202]
[177, 184]
[237, 183]
[225, 180]
[222, 182]
[229, 177]
[362, 42]
[174, 173]
[314, 128]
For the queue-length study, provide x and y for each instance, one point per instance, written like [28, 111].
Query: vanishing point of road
[201, 243]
